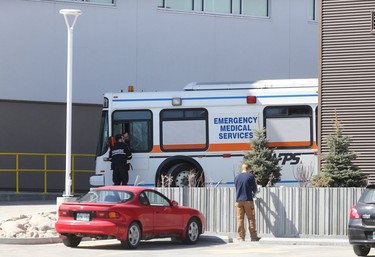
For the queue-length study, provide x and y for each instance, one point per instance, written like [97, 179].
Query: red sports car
[129, 214]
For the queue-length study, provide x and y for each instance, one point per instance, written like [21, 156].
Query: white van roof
[260, 84]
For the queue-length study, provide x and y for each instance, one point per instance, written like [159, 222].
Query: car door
[166, 217]
[146, 215]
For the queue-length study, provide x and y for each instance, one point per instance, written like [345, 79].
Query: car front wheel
[192, 231]
[134, 236]
[72, 240]
[361, 250]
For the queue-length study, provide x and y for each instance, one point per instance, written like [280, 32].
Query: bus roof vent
[259, 84]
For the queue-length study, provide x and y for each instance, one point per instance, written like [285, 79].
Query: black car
[361, 227]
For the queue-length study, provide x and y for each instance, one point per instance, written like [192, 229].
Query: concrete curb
[31, 241]
[216, 238]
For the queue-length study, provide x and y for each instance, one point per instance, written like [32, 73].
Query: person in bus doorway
[126, 140]
[119, 156]
[245, 188]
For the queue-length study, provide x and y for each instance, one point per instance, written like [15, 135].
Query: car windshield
[368, 196]
[106, 196]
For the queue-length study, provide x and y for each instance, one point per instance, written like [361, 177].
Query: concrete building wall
[134, 42]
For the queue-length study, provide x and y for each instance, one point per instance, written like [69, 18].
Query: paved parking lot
[163, 248]
[9, 209]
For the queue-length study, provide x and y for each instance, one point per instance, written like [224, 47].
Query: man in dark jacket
[245, 188]
[119, 154]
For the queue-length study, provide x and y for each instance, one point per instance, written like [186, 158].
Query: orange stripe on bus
[185, 146]
[231, 147]
[290, 144]
[247, 147]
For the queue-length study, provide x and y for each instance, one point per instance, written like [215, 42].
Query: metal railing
[44, 166]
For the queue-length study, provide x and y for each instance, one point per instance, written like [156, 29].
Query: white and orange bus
[206, 128]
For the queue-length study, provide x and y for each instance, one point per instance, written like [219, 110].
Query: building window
[218, 6]
[198, 5]
[257, 8]
[177, 4]
[101, 1]
[107, 2]
[314, 10]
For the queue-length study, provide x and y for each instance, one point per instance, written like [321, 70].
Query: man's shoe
[255, 239]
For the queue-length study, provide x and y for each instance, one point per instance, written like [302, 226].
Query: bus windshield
[103, 135]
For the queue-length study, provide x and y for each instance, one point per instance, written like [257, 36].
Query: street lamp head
[73, 12]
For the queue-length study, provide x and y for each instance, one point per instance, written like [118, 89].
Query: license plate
[83, 216]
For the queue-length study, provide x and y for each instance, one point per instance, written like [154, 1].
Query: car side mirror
[174, 203]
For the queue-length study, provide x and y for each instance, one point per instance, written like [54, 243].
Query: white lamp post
[68, 159]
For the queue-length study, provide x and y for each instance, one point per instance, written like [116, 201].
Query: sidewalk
[208, 237]
[305, 241]
[15, 204]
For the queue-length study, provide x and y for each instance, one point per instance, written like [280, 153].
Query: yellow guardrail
[17, 170]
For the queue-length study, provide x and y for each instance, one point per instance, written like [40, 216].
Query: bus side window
[184, 129]
[289, 126]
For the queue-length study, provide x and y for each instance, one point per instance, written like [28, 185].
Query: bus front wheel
[185, 174]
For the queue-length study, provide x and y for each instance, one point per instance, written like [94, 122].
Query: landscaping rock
[29, 226]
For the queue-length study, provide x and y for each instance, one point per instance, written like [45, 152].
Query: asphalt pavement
[15, 204]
